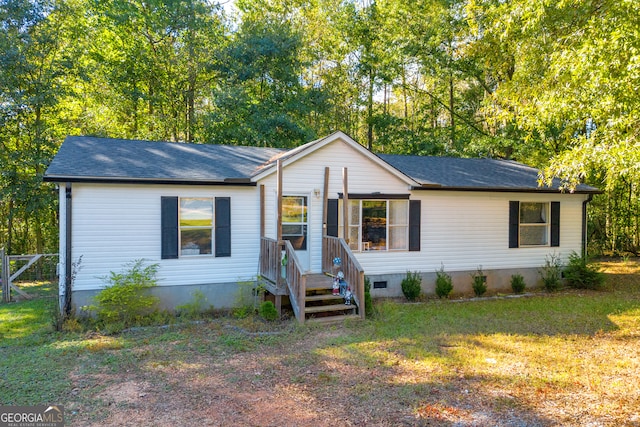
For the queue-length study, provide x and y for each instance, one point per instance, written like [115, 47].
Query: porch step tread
[332, 319]
[318, 282]
[327, 308]
[323, 297]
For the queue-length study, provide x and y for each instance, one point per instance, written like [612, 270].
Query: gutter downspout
[584, 225]
[68, 279]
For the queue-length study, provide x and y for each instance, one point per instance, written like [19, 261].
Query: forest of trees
[550, 83]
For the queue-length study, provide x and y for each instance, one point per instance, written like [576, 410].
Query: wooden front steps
[321, 305]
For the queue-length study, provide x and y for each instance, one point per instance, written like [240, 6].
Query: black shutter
[414, 225]
[514, 223]
[332, 217]
[169, 224]
[555, 223]
[223, 226]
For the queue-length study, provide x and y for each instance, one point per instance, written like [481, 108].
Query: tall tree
[264, 99]
[37, 56]
[154, 63]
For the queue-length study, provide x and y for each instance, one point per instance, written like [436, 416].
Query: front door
[295, 226]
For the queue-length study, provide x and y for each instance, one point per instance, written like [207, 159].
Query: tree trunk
[451, 113]
[370, 112]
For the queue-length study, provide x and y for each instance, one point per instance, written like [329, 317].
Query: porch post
[345, 203]
[262, 210]
[325, 201]
[279, 196]
[279, 231]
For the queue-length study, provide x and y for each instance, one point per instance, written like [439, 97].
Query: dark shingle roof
[90, 158]
[472, 174]
[83, 158]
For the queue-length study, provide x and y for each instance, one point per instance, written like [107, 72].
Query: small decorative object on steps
[347, 296]
[336, 286]
[342, 283]
[337, 262]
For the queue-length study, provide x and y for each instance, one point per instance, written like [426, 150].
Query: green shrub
[196, 308]
[247, 296]
[517, 283]
[268, 311]
[551, 273]
[444, 284]
[126, 300]
[580, 274]
[479, 282]
[368, 302]
[411, 286]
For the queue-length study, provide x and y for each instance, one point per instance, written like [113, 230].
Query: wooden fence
[7, 278]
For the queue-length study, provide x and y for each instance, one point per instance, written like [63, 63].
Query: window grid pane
[533, 235]
[399, 212]
[399, 237]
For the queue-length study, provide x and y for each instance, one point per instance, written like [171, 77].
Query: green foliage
[412, 285]
[247, 296]
[581, 274]
[368, 302]
[479, 282]
[196, 308]
[517, 283]
[126, 300]
[444, 284]
[268, 311]
[551, 272]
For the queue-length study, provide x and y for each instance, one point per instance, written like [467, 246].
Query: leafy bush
[247, 296]
[580, 274]
[551, 273]
[368, 302]
[126, 301]
[196, 308]
[444, 284]
[411, 286]
[268, 311]
[479, 282]
[517, 283]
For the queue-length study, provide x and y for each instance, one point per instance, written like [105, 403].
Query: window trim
[183, 227]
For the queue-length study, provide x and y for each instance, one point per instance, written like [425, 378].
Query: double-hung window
[192, 226]
[534, 224]
[196, 226]
[378, 225]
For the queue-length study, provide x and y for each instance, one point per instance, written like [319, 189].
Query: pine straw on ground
[411, 366]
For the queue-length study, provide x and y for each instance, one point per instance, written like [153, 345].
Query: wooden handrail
[294, 279]
[333, 247]
[270, 260]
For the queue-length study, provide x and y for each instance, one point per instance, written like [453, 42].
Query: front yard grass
[568, 358]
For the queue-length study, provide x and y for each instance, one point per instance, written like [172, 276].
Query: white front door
[295, 226]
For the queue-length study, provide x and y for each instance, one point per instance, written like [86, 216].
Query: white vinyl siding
[464, 230]
[116, 223]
